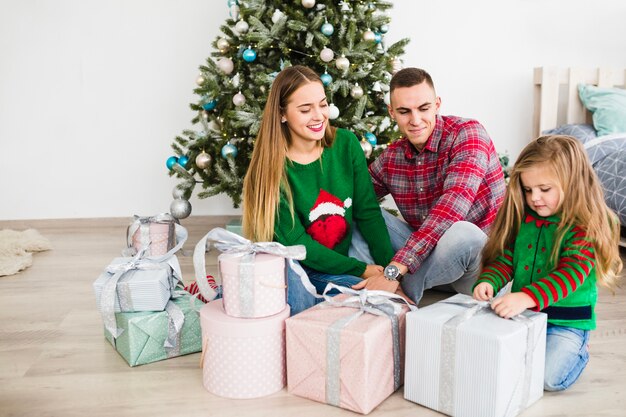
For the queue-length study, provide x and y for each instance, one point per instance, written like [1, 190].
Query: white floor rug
[16, 247]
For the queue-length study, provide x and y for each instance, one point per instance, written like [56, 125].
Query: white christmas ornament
[333, 112]
[376, 87]
[234, 12]
[235, 80]
[239, 99]
[342, 63]
[327, 54]
[387, 99]
[242, 26]
[277, 15]
[369, 36]
[226, 65]
[200, 80]
[357, 91]
[367, 148]
[308, 3]
[396, 65]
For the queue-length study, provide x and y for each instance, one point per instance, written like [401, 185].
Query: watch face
[391, 272]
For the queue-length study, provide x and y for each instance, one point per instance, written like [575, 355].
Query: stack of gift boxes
[147, 316]
[352, 350]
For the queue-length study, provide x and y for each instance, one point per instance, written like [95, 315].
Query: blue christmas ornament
[171, 161]
[371, 138]
[183, 160]
[326, 78]
[249, 55]
[229, 150]
[209, 105]
[327, 29]
[378, 38]
[232, 3]
[384, 29]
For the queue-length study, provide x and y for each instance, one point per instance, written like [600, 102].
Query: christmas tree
[342, 41]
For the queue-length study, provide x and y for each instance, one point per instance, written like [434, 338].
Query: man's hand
[512, 304]
[483, 292]
[377, 282]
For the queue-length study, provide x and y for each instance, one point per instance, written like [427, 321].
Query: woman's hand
[512, 304]
[483, 292]
[372, 270]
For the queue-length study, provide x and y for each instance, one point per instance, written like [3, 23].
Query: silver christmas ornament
[327, 54]
[222, 45]
[242, 26]
[178, 193]
[342, 63]
[384, 28]
[308, 3]
[277, 15]
[239, 99]
[369, 36]
[356, 91]
[203, 160]
[333, 112]
[180, 208]
[226, 65]
[367, 148]
[234, 12]
[376, 87]
[200, 80]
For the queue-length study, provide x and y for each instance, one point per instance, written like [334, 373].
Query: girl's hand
[372, 270]
[512, 304]
[483, 292]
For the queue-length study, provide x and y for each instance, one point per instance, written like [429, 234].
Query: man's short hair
[408, 77]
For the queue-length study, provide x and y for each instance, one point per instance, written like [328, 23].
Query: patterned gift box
[153, 336]
[242, 358]
[347, 351]
[253, 288]
[465, 361]
[144, 285]
[156, 234]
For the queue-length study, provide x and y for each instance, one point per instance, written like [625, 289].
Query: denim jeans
[566, 356]
[300, 299]
[455, 260]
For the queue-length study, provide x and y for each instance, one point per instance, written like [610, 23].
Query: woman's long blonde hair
[583, 204]
[267, 176]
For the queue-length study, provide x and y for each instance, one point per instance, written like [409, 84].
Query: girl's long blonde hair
[583, 204]
[267, 176]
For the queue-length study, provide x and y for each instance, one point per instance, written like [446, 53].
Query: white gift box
[465, 361]
[141, 289]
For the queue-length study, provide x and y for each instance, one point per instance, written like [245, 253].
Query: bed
[589, 104]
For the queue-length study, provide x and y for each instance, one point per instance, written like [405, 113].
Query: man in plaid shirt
[445, 176]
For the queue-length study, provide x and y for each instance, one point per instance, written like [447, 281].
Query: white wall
[92, 93]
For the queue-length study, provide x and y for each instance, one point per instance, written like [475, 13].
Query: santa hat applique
[328, 204]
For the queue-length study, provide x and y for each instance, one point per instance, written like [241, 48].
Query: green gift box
[145, 333]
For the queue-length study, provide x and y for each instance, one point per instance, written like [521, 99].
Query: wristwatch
[392, 273]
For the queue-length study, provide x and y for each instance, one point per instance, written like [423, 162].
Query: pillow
[583, 132]
[608, 106]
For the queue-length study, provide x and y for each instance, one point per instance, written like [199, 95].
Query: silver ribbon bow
[231, 243]
[143, 225]
[379, 303]
[448, 351]
[139, 261]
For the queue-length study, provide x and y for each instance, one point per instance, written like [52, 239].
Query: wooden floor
[54, 360]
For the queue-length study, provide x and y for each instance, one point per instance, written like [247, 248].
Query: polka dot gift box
[157, 233]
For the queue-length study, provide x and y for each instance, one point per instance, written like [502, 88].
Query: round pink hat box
[266, 294]
[242, 358]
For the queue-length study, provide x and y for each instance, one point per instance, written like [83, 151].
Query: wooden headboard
[556, 94]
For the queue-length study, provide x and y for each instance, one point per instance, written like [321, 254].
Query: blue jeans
[300, 299]
[566, 356]
[455, 260]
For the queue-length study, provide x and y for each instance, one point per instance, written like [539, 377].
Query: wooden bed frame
[556, 94]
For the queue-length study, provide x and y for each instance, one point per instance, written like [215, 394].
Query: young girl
[554, 237]
[307, 182]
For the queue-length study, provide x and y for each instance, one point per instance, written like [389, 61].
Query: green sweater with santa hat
[567, 290]
[328, 195]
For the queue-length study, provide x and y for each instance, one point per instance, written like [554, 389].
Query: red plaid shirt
[457, 176]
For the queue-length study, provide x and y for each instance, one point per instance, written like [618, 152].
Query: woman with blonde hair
[555, 237]
[306, 183]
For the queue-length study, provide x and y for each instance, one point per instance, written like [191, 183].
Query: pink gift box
[263, 295]
[161, 235]
[242, 358]
[366, 371]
